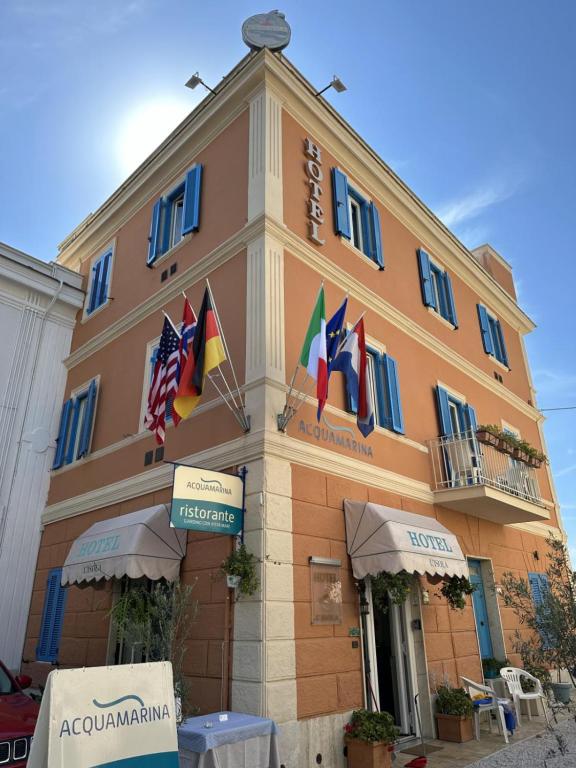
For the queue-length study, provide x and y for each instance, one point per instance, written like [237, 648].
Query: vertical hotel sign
[207, 501]
[315, 176]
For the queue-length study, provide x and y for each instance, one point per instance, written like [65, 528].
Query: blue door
[480, 610]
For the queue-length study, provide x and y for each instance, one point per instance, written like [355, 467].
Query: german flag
[207, 352]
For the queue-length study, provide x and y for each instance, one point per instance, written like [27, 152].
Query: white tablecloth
[230, 749]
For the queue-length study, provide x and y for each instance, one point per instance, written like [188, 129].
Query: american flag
[164, 381]
[186, 335]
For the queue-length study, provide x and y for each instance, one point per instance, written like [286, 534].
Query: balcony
[479, 480]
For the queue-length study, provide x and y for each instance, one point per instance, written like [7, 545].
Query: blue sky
[471, 103]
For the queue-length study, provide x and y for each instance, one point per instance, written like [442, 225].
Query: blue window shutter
[340, 200]
[376, 254]
[75, 417]
[95, 286]
[154, 238]
[52, 618]
[191, 213]
[504, 358]
[485, 330]
[538, 586]
[470, 418]
[104, 279]
[62, 432]
[393, 389]
[426, 279]
[87, 421]
[451, 306]
[443, 411]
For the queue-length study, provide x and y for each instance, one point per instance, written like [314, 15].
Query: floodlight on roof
[335, 83]
[197, 80]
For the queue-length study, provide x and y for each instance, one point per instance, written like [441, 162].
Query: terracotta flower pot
[454, 728]
[487, 437]
[368, 754]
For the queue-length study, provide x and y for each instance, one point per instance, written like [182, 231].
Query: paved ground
[547, 750]
[530, 747]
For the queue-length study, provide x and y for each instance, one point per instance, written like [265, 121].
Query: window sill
[443, 320]
[360, 253]
[497, 362]
[170, 252]
[86, 317]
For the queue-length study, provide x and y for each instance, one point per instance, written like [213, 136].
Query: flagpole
[234, 412]
[246, 424]
[167, 316]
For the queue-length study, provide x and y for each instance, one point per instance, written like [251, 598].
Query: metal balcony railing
[460, 460]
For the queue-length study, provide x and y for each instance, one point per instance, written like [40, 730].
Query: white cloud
[473, 204]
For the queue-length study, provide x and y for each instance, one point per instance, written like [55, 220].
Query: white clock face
[266, 30]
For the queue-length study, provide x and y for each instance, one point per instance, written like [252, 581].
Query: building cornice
[198, 271]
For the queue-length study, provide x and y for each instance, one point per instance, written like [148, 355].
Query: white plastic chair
[474, 688]
[512, 676]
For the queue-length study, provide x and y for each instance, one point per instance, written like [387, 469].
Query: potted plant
[393, 586]
[454, 711]
[370, 738]
[522, 451]
[488, 433]
[492, 667]
[240, 571]
[507, 443]
[455, 589]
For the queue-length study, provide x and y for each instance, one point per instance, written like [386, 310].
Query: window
[52, 618]
[454, 415]
[436, 288]
[76, 422]
[99, 282]
[492, 336]
[383, 391]
[175, 215]
[356, 219]
[538, 587]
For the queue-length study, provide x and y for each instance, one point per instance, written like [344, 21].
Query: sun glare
[145, 127]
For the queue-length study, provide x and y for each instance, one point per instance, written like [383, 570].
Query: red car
[18, 714]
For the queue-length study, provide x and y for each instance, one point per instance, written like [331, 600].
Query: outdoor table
[242, 741]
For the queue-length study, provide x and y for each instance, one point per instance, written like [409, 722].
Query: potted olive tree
[370, 738]
[546, 607]
[454, 711]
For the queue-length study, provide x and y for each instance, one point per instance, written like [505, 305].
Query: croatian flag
[353, 362]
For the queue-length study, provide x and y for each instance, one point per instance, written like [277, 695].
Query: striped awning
[386, 539]
[139, 544]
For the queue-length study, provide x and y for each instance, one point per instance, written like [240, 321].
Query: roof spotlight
[197, 80]
[335, 83]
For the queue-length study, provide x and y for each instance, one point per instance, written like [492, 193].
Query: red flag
[163, 382]
[186, 335]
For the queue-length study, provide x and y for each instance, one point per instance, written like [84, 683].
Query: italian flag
[314, 356]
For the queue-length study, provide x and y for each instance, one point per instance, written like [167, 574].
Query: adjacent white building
[38, 306]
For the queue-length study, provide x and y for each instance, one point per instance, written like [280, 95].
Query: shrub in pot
[454, 711]
[491, 667]
[370, 738]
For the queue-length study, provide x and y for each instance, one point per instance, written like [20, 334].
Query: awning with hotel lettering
[139, 544]
[386, 539]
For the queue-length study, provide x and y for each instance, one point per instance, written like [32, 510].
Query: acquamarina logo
[209, 485]
[96, 723]
[334, 435]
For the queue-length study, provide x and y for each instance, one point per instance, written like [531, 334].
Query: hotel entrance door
[393, 668]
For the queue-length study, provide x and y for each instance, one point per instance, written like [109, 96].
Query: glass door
[393, 665]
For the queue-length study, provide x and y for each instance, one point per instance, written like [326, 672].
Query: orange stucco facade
[263, 653]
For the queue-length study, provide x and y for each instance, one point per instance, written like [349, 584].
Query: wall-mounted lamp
[499, 590]
[364, 606]
[197, 80]
[425, 597]
[536, 555]
[335, 83]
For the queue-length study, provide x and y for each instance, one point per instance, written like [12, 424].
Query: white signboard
[107, 717]
[203, 500]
